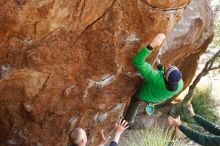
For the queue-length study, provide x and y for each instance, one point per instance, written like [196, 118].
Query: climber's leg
[132, 109]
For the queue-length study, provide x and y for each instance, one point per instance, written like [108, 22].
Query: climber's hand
[158, 40]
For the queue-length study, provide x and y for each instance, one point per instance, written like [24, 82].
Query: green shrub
[151, 136]
[203, 104]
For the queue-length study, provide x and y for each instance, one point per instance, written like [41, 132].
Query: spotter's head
[78, 137]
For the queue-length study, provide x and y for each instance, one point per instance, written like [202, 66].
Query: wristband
[149, 47]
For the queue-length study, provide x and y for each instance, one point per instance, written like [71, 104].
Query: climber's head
[78, 137]
[172, 76]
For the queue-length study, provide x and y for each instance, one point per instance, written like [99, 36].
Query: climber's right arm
[144, 67]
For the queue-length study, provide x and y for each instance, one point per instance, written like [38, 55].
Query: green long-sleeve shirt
[153, 88]
[202, 139]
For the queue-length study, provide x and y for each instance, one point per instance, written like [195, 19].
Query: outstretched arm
[120, 127]
[201, 139]
[207, 125]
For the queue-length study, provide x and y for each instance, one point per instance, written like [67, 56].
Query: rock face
[68, 63]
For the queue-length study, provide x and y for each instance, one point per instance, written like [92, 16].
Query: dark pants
[133, 109]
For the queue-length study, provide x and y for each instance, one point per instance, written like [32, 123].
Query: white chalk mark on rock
[4, 70]
[11, 141]
[73, 121]
[28, 107]
[106, 80]
[28, 41]
[132, 38]
[118, 106]
[100, 117]
[119, 67]
[90, 84]
[67, 91]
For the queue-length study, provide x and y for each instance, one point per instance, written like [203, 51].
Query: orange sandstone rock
[66, 63]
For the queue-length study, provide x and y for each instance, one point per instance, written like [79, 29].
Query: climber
[159, 85]
[202, 139]
[78, 136]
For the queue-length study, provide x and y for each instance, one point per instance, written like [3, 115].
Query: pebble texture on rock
[66, 63]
